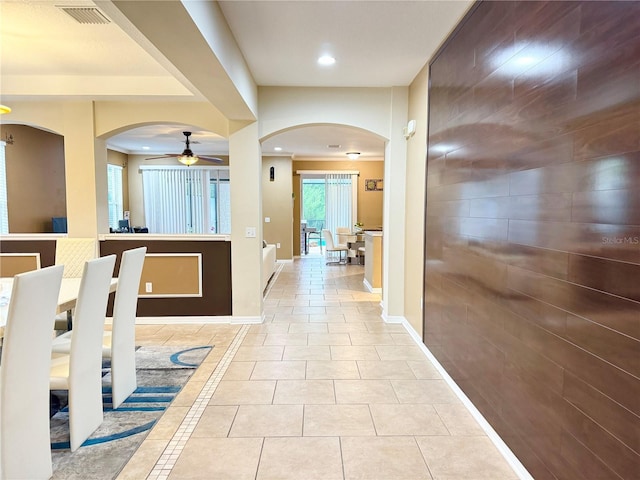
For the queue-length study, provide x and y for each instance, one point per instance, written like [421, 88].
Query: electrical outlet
[277, 245]
[250, 232]
[148, 287]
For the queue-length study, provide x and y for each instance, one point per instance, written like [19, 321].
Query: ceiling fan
[187, 156]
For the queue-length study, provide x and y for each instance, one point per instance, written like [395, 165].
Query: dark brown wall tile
[532, 277]
[621, 459]
[617, 278]
[614, 418]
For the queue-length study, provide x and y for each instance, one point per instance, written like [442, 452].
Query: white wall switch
[148, 287]
[250, 232]
[277, 245]
[267, 219]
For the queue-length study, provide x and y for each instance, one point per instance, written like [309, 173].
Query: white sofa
[268, 264]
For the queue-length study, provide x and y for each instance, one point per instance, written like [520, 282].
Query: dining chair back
[331, 247]
[314, 227]
[344, 235]
[80, 371]
[120, 343]
[25, 446]
[73, 253]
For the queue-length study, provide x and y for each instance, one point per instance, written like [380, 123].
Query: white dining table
[69, 289]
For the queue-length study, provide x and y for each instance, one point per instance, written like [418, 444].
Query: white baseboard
[370, 288]
[502, 447]
[285, 260]
[393, 318]
[183, 320]
[237, 320]
[204, 320]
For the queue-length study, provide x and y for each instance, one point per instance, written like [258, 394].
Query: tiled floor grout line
[163, 467]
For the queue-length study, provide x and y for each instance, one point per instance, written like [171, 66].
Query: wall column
[393, 248]
[85, 172]
[245, 171]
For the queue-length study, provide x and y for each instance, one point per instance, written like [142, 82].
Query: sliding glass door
[186, 200]
[329, 200]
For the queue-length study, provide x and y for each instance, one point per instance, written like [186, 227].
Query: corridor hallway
[324, 389]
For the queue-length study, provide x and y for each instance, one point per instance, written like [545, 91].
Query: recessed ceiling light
[146, 148]
[326, 60]
[277, 149]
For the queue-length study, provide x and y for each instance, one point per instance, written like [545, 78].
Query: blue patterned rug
[161, 374]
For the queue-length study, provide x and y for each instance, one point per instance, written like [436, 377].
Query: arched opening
[149, 154]
[299, 199]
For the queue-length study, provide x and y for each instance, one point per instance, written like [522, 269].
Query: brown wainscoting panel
[46, 249]
[171, 275]
[12, 264]
[216, 276]
[532, 234]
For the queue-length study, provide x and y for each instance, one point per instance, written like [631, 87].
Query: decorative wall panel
[532, 278]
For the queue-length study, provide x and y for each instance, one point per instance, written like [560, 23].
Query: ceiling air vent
[86, 15]
[333, 146]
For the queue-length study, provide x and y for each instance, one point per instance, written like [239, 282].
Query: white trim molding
[370, 288]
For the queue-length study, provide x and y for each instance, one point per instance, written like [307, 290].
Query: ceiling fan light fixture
[188, 160]
[353, 155]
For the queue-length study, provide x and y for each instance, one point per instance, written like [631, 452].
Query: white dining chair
[331, 247]
[25, 445]
[80, 371]
[344, 235]
[119, 344]
[72, 253]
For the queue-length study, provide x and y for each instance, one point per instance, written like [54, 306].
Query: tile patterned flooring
[324, 389]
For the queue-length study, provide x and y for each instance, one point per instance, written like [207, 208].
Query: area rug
[161, 373]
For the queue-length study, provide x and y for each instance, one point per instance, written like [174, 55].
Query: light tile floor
[323, 389]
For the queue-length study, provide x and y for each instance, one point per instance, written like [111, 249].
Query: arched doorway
[308, 153]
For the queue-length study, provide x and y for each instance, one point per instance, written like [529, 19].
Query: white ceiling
[44, 52]
[375, 43]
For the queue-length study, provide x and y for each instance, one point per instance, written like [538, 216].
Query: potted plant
[358, 226]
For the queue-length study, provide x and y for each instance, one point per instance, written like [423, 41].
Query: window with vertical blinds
[4, 209]
[114, 195]
[341, 200]
[186, 200]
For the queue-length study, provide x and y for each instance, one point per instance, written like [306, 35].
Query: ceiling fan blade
[166, 155]
[210, 159]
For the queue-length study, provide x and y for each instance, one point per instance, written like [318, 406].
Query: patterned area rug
[161, 374]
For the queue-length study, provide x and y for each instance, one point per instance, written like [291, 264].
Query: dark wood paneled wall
[216, 297]
[532, 279]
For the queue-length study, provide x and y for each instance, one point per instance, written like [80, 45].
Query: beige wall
[369, 202]
[121, 159]
[35, 179]
[415, 201]
[277, 204]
